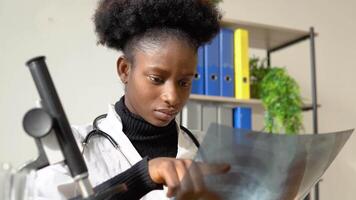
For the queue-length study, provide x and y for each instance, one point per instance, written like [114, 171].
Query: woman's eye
[185, 83]
[156, 80]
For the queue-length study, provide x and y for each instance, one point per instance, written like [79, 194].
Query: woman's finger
[193, 183]
[196, 177]
[171, 178]
[184, 176]
[213, 168]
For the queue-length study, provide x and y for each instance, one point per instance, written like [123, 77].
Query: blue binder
[226, 54]
[242, 118]
[198, 81]
[212, 71]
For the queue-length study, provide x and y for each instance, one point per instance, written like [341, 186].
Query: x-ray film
[267, 166]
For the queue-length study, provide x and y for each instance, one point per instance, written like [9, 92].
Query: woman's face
[159, 83]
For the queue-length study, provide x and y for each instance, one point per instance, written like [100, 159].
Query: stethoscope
[97, 132]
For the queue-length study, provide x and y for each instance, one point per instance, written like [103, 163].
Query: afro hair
[118, 21]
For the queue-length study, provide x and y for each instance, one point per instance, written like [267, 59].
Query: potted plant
[280, 96]
[216, 1]
[258, 70]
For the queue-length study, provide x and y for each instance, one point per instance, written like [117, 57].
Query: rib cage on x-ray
[264, 166]
[268, 166]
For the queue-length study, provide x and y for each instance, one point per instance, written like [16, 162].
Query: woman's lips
[165, 114]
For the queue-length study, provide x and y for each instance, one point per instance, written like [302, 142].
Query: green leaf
[281, 98]
[216, 1]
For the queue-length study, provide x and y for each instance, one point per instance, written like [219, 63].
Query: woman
[159, 41]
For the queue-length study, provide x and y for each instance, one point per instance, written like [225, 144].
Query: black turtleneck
[149, 140]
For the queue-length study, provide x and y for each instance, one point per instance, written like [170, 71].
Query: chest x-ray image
[268, 166]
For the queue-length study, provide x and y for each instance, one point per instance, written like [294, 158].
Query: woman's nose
[171, 95]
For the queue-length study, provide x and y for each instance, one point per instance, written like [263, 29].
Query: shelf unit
[272, 39]
[233, 102]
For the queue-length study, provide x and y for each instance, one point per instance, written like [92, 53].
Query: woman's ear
[123, 69]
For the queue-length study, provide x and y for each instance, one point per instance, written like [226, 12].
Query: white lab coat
[102, 159]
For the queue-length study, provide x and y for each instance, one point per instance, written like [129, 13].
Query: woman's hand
[183, 177]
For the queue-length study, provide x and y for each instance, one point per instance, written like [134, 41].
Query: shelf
[232, 102]
[266, 36]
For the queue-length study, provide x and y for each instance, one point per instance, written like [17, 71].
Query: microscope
[49, 127]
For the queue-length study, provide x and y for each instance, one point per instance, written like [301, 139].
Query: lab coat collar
[112, 125]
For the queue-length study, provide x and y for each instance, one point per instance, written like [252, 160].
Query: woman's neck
[149, 140]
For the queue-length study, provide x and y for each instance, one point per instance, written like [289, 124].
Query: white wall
[336, 69]
[84, 73]
[86, 81]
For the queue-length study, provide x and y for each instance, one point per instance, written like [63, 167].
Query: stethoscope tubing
[96, 131]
